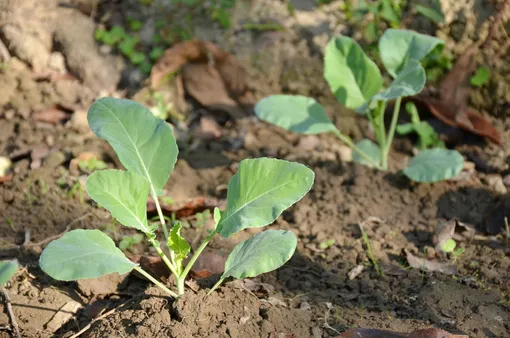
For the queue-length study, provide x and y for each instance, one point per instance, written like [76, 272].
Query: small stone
[308, 143]
[431, 252]
[79, 121]
[57, 62]
[55, 159]
[8, 196]
[496, 182]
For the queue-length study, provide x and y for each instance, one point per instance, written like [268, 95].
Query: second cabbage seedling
[260, 191]
[357, 83]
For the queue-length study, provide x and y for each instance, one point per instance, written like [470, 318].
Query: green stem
[216, 286]
[163, 256]
[155, 281]
[182, 276]
[391, 133]
[351, 145]
[160, 213]
[380, 128]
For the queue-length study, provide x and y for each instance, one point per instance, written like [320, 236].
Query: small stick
[12, 317]
[27, 237]
[507, 231]
[104, 315]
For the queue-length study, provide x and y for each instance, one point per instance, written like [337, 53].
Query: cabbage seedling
[357, 83]
[257, 194]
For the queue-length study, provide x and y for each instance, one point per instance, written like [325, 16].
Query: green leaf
[217, 215]
[296, 113]
[410, 81]
[137, 58]
[81, 254]
[388, 12]
[398, 46]
[449, 245]
[481, 77]
[264, 252]
[260, 191]
[156, 53]
[177, 243]
[124, 194]
[432, 13]
[405, 128]
[371, 32]
[435, 165]
[145, 144]
[350, 73]
[370, 149]
[7, 270]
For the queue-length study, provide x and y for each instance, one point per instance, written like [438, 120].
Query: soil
[310, 296]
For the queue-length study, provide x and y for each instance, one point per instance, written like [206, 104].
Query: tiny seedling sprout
[257, 194]
[357, 83]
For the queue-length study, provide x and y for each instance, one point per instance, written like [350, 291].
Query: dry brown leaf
[53, 115]
[375, 333]
[424, 264]
[211, 75]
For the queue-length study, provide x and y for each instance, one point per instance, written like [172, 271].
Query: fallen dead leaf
[214, 77]
[375, 333]
[424, 264]
[53, 115]
[184, 208]
[453, 229]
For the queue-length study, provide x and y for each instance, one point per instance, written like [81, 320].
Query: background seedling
[257, 194]
[357, 83]
[370, 253]
[427, 136]
[481, 77]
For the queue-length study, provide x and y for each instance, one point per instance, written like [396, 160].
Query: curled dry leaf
[53, 115]
[423, 333]
[214, 77]
[186, 208]
[453, 229]
[424, 264]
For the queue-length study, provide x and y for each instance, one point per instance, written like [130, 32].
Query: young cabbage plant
[357, 83]
[257, 194]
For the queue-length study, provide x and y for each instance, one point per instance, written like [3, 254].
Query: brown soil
[311, 295]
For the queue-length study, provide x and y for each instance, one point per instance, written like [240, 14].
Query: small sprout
[428, 138]
[92, 164]
[370, 254]
[137, 58]
[433, 12]
[327, 244]
[128, 242]
[135, 25]
[458, 252]
[156, 53]
[481, 77]
[449, 245]
[257, 195]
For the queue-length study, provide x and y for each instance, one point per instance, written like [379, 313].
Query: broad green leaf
[177, 243]
[435, 165]
[124, 194]
[7, 270]
[145, 144]
[433, 13]
[216, 216]
[81, 254]
[296, 113]
[449, 245]
[481, 77]
[370, 149]
[264, 252]
[410, 81]
[260, 191]
[398, 46]
[350, 73]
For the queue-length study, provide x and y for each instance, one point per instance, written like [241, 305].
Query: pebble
[8, 196]
[55, 159]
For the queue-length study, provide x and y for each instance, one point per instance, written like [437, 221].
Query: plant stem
[163, 256]
[380, 130]
[160, 213]
[350, 144]
[218, 283]
[391, 133]
[182, 276]
[155, 281]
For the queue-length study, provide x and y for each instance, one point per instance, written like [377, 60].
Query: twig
[27, 236]
[8, 305]
[494, 25]
[51, 238]
[507, 232]
[104, 315]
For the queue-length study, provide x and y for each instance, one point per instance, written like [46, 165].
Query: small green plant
[326, 244]
[128, 242]
[370, 253]
[450, 246]
[357, 83]
[427, 136]
[92, 164]
[257, 194]
[481, 77]
[387, 12]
